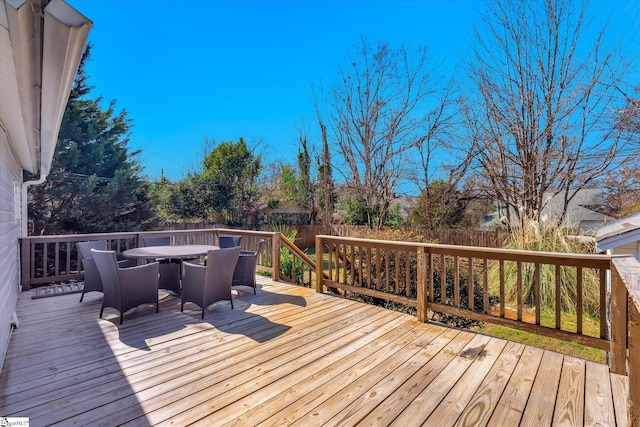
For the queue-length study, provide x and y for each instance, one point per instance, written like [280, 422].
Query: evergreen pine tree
[95, 183]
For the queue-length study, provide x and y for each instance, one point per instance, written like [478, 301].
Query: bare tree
[545, 109]
[622, 191]
[376, 112]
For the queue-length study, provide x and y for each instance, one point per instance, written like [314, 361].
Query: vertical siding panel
[10, 181]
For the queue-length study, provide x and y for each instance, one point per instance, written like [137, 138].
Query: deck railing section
[55, 259]
[503, 287]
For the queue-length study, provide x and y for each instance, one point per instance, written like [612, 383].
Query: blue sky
[190, 69]
[194, 69]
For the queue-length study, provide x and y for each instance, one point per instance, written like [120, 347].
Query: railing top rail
[301, 255]
[576, 260]
[131, 234]
[241, 232]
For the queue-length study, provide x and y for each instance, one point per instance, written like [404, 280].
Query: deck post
[421, 284]
[618, 346]
[634, 367]
[319, 265]
[25, 271]
[275, 257]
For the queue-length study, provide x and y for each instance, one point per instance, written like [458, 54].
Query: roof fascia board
[25, 41]
[65, 35]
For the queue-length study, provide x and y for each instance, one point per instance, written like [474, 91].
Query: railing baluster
[470, 283]
[353, 261]
[361, 267]
[443, 279]
[68, 260]
[431, 277]
[579, 300]
[502, 290]
[519, 290]
[397, 273]
[536, 293]
[344, 264]
[369, 268]
[485, 285]
[456, 281]
[407, 274]
[378, 260]
[45, 256]
[558, 298]
[603, 306]
[330, 260]
[387, 280]
[56, 258]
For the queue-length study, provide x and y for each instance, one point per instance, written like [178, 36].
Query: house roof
[618, 233]
[41, 43]
[579, 209]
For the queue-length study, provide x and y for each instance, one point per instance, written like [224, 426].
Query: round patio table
[170, 258]
[174, 251]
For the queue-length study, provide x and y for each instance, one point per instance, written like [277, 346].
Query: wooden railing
[476, 284]
[54, 259]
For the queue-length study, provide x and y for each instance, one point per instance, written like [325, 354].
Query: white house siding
[627, 249]
[10, 181]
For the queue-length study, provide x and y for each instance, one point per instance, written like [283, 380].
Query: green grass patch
[590, 326]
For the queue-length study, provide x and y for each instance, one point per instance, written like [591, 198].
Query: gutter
[24, 210]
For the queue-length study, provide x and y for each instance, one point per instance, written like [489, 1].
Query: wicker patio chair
[229, 241]
[126, 288]
[169, 268]
[245, 271]
[156, 241]
[204, 285]
[92, 281]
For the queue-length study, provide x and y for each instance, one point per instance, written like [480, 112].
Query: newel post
[618, 317]
[275, 257]
[421, 285]
[634, 368]
[319, 265]
[625, 322]
[25, 263]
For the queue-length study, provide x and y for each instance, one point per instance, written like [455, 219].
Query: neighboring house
[292, 215]
[582, 212]
[621, 237]
[406, 204]
[41, 43]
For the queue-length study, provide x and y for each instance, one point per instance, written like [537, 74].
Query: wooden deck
[287, 356]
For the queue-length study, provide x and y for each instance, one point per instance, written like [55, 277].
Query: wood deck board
[481, 406]
[285, 356]
[543, 397]
[431, 396]
[299, 401]
[599, 396]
